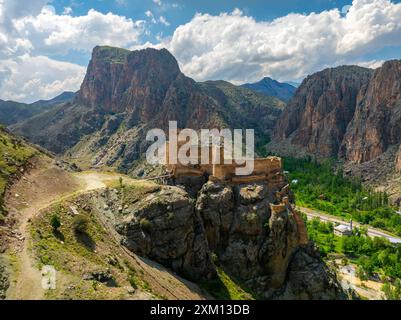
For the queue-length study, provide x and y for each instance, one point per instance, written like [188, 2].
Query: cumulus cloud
[238, 48]
[32, 30]
[27, 78]
[56, 34]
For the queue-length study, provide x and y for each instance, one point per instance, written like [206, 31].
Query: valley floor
[372, 232]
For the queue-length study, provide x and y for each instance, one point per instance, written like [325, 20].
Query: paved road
[372, 232]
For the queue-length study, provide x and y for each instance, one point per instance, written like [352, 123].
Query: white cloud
[30, 30]
[28, 78]
[372, 64]
[158, 2]
[56, 34]
[238, 48]
[164, 21]
[150, 15]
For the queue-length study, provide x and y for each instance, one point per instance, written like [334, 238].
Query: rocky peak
[119, 80]
[318, 115]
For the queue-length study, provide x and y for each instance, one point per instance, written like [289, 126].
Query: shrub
[145, 224]
[251, 217]
[80, 223]
[55, 222]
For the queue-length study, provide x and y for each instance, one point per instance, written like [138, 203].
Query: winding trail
[47, 184]
[37, 190]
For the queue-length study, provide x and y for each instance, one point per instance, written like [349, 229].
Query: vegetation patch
[225, 288]
[375, 257]
[14, 153]
[317, 186]
[78, 249]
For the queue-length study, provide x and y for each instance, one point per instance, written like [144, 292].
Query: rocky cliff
[250, 231]
[376, 124]
[125, 93]
[317, 117]
[349, 113]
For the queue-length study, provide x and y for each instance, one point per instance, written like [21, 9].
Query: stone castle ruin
[265, 169]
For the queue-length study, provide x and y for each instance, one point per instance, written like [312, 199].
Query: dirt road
[40, 188]
[372, 232]
[34, 192]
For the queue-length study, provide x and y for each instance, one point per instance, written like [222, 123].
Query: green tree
[55, 222]
[80, 223]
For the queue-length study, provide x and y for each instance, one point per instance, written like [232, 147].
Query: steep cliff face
[251, 231]
[377, 121]
[317, 117]
[135, 82]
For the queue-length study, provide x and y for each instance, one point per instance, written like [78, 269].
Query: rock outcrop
[249, 230]
[253, 238]
[398, 161]
[317, 117]
[164, 227]
[308, 278]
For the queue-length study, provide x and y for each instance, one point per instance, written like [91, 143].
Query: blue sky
[178, 12]
[46, 45]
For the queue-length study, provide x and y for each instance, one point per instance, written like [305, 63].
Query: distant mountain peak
[273, 88]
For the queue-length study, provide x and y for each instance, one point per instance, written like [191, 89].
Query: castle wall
[264, 169]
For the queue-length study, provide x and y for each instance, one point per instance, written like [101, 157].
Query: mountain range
[125, 93]
[273, 88]
[12, 112]
[250, 231]
[349, 113]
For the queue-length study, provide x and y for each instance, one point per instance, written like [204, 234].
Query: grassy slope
[75, 254]
[13, 154]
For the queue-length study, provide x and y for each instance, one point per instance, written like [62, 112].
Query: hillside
[14, 154]
[13, 112]
[269, 87]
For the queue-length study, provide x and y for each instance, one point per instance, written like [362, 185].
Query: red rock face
[377, 121]
[318, 115]
[119, 80]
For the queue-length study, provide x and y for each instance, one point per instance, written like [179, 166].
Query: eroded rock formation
[251, 230]
[376, 124]
[317, 117]
[348, 112]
